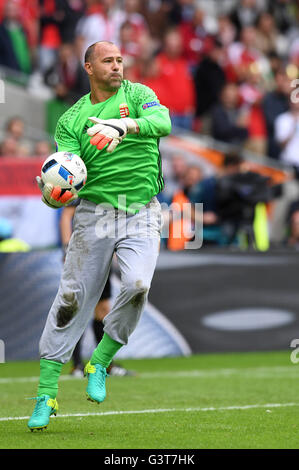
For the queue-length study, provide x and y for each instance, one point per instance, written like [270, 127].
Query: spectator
[71, 12]
[276, 63]
[283, 13]
[180, 11]
[174, 170]
[286, 132]
[206, 192]
[29, 19]
[14, 47]
[180, 226]
[68, 78]
[242, 54]
[129, 45]
[15, 129]
[294, 55]
[191, 178]
[177, 94]
[227, 32]
[209, 78]
[9, 147]
[266, 34]
[195, 38]
[93, 6]
[179, 168]
[137, 53]
[251, 93]
[159, 17]
[134, 39]
[245, 14]
[42, 149]
[131, 14]
[51, 17]
[98, 26]
[229, 123]
[274, 103]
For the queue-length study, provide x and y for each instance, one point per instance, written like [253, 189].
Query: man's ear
[88, 68]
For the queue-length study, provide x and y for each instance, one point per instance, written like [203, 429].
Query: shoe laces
[40, 403]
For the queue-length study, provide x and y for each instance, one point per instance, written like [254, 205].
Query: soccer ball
[64, 169]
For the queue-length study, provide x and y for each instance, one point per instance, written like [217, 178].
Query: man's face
[106, 67]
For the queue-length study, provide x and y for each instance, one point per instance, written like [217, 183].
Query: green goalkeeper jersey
[132, 174]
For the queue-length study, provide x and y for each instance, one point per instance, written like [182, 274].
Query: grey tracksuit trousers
[97, 235]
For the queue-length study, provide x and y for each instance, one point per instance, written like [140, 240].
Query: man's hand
[110, 131]
[53, 196]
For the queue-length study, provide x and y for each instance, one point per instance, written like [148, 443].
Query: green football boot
[44, 408]
[96, 387]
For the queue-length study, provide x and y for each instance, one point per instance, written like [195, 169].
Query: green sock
[105, 351]
[49, 375]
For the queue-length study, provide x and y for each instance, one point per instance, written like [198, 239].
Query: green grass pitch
[208, 401]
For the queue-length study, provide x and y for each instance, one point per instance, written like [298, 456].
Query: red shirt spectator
[50, 36]
[240, 55]
[173, 81]
[176, 94]
[251, 94]
[195, 38]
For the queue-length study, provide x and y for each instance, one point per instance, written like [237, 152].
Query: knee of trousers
[137, 291]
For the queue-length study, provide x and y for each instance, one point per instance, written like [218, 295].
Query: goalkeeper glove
[54, 196]
[110, 131]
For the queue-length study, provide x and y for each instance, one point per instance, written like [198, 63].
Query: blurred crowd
[231, 71]
[229, 74]
[14, 142]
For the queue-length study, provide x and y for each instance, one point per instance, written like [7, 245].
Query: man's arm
[153, 118]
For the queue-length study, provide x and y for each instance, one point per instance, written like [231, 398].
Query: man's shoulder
[137, 91]
[68, 116]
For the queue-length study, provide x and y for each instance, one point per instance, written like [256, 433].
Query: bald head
[90, 51]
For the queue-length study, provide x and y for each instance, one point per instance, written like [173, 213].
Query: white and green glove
[110, 131]
[54, 196]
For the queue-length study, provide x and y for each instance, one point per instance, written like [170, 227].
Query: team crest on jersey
[124, 110]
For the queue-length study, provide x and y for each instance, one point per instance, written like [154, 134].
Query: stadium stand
[227, 71]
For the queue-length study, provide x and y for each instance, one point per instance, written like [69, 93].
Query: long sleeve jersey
[133, 172]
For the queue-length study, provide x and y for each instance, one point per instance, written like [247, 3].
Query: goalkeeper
[116, 130]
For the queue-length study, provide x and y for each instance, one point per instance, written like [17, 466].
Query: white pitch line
[161, 410]
[256, 372]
